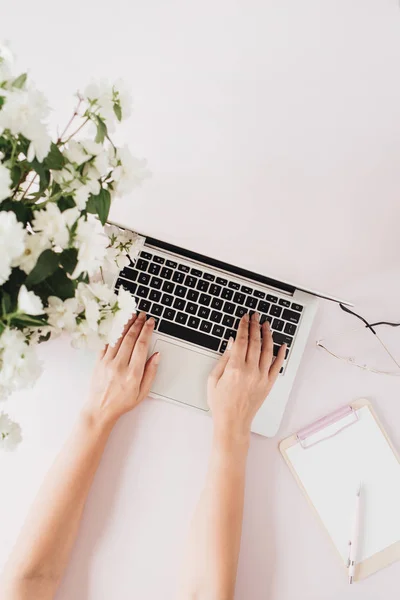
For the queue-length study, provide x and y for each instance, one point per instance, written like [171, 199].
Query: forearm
[41, 553]
[214, 543]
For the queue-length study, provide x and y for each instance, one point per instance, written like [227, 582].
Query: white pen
[353, 542]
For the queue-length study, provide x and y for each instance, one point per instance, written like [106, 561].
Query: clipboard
[333, 433]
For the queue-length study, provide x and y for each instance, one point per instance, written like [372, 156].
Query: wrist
[231, 439]
[97, 420]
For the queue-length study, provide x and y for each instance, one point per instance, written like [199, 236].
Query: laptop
[197, 302]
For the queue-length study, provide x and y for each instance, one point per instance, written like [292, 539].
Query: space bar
[189, 335]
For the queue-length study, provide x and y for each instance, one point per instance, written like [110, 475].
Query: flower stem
[75, 114]
[76, 131]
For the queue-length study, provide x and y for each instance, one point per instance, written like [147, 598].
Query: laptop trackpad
[182, 374]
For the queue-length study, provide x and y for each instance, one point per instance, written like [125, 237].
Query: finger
[277, 365]
[149, 373]
[254, 348]
[141, 349]
[267, 348]
[129, 340]
[239, 348]
[102, 353]
[111, 351]
[219, 368]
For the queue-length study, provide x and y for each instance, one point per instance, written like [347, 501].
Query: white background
[273, 133]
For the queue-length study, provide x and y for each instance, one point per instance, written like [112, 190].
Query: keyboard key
[223, 346]
[218, 330]
[263, 306]
[144, 305]
[239, 298]
[297, 307]
[203, 312]
[190, 281]
[234, 285]
[189, 335]
[156, 283]
[146, 255]
[221, 281]
[290, 315]
[142, 265]
[194, 322]
[229, 308]
[191, 308]
[184, 268]
[246, 290]
[192, 295]
[171, 264]
[228, 321]
[179, 303]
[166, 273]
[251, 302]
[237, 323]
[168, 286]
[264, 318]
[204, 299]
[282, 338]
[240, 311]
[169, 314]
[277, 324]
[181, 318]
[180, 291]
[154, 269]
[203, 285]
[217, 303]
[196, 272]
[271, 298]
[290, 329]
[259, 294]
[154, 296]
[127, 285]
[167, 300]
[129, 273]
[142, 292]
[157, 310]
[159, 259]
[208, 276]
[215, 290]
[226, 294]
[276, 349]
[144, 278]
[275, 310]
[283, 302]
[206, 326]
[230, 333]
[216, 316]
[178, 277]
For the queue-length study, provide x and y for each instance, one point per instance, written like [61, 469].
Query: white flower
[124, 247]
[10, 433]
[102, 164]
[19, 366]
[127, 306]
[123, 97]
[65, 176]
[76, 153]
[52, 223]
[34, 246]
[92, 177]
[91, 147]
[11, 243]
[85, 337]
[105, 96]
[5, 182]
[129, 173]
[29, 303]
[22, 113]
[91, 244]
[81, 196]
[62, 314]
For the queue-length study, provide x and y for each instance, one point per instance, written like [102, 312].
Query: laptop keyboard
[201, 308]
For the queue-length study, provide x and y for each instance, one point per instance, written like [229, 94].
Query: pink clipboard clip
[333, 423]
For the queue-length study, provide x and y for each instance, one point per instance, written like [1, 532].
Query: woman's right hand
[243, 378]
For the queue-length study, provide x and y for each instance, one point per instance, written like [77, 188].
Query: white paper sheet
[331, 471]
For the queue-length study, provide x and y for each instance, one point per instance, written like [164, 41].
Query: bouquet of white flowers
[55, 197]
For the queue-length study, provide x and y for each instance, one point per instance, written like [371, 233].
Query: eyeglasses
[366, 345]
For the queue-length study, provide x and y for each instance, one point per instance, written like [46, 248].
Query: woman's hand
[243, 378]
[123, 376]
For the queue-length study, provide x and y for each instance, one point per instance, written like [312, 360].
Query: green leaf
[46, 264]
[54, 160]
[22, 211]
[60, 285]
[100, 205]
[101, 130]
[43, 172]
[69, 259]
[90, 205]
[28, 321]
[118, 111]
[19, 82]
[5, 303]
[44, 338]
[2, 99]
[65, 202]
[2, 327]
[16, 173]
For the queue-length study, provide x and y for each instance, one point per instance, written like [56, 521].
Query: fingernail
[157, 358]
[230, 343]
[150, 322]
[246, 317]
[256, 317]
[142, 316]
[268, 325]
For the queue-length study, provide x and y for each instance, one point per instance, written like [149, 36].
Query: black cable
[368, 325]
[385, 323]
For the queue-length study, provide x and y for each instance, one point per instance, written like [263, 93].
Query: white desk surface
[273, 132]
